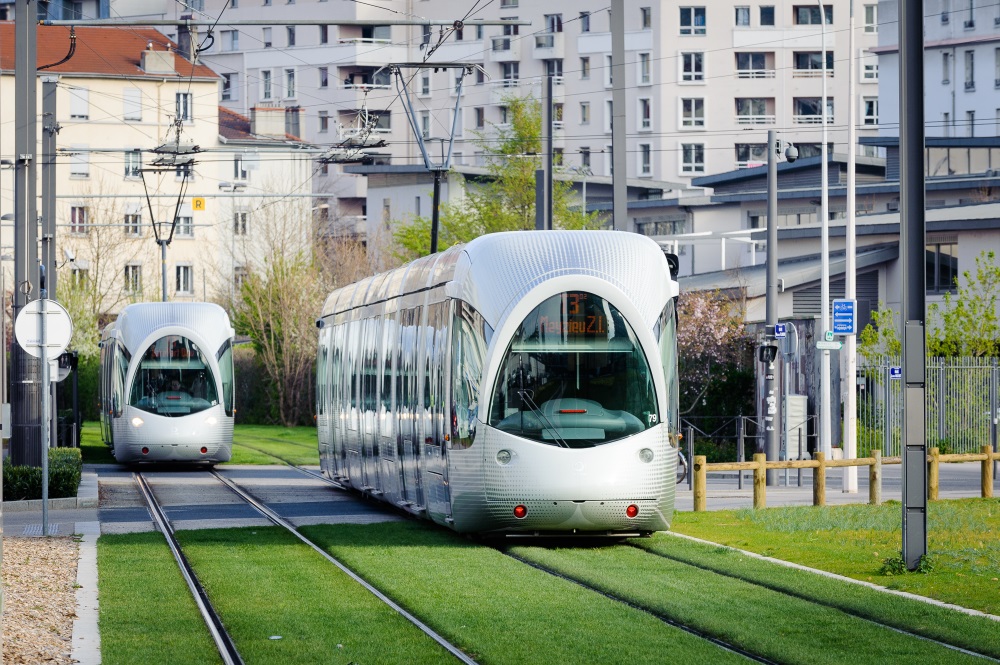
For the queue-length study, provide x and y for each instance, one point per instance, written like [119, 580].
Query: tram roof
[492, 271]
[137, 321]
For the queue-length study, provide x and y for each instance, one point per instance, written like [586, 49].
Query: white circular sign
[58, 328]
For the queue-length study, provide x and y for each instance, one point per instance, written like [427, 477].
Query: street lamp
[772, 416]
[824, 252]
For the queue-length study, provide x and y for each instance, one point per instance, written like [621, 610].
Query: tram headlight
[504, 457]
[646, 455]
[137, 422]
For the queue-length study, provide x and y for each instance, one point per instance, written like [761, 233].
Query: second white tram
[523, 382]
[166, 385]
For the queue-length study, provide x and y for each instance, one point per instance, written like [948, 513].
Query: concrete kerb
[86, 632]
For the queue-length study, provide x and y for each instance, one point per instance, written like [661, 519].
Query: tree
[505, 199]
[880, 337]
[966, 323]
[713, 344]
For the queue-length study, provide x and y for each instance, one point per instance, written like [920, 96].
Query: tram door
[434, 361]
[338, 407]
[369, 386]
[387, 448]
[406, 404]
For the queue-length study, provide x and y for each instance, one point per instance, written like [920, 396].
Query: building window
[809, 14]
[692, 21]
[266, 37]
[970, 70]
[870, 106]
[184, 102]
[133, 163]
[645, 159]
[646, 17]
[584, 113]
[584, 68]
[645, 69]
[79, 103]
[693, 112]
[753, 65]
[240, 275]
[184, 227]
[608, 115]
[608, 72]
[184, 282]
[79, 162]
[290, 32]
[585, 157]
[78, 220]
[945, 11]
[133, 224]
[692, 66]
[754, 110]
[184, 172]
[510, 72]
[806, 110]
[265, 84]
[241, 222]
[871, 18]
[996, 68]
[133, 278]
[869, 67]
[324, 34]
[324, 77]
[584, 21]
[480, 117]
[425, 83]
[749, 155]
[324, 122]
[132, 98]
[425, 124]
[809, 61]
[767, 15]
[239, 168]
[230, 40]
[289, 83]
[645, 113]
[946, 68]
[970, 123]
[970, 20]
[692, 158]
[742, 17]
[229, 87]
[941, 266]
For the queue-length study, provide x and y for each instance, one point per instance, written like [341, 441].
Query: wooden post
[987, 472]
[875, 479]
[760, 481]
[819, 479]
[700, 473]
[934, 474]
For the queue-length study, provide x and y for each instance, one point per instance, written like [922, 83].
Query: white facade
[961, 68]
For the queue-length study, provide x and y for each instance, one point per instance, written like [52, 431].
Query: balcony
[811, 119]
[506, 48]
[970, 86]
[503, 88]
[755, 73]
[364, 52]
[755, 119]
[811, 73]
[549, 46]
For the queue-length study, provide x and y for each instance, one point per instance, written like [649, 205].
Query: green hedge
[25, 482]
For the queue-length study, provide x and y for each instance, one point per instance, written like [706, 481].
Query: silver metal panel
[137, 322]
[173, 439]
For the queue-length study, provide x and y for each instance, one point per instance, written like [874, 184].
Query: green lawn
[854, 540]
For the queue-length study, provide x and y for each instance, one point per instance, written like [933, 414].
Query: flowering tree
[713, 344]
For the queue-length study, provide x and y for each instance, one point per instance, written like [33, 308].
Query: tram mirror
[767, 353]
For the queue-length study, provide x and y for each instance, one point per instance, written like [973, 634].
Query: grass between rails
[963, 544]
[769, 623]
[500, 610]
[147, 614]
[264, 583]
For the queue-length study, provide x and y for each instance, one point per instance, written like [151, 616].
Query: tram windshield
[173, 379]
[574, 376]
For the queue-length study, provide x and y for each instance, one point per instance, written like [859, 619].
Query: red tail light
[145, 450]
[520, 512]
[632, 511]
[204, 450]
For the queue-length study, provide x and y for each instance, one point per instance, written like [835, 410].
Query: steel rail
[660, 617]
[227, 649]
[282, 522]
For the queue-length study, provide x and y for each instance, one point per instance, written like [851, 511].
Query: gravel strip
[39, 579]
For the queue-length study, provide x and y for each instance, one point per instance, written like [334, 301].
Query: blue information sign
[845, 317]
[780, 330]
[895, 373]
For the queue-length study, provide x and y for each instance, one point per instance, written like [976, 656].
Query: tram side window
[321, 368]
[437, 326]
[226, 373]
[118, 379]
[468, 350]
[667, 326]
[353, 367]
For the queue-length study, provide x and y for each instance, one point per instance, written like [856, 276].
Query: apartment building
[123, 94]
[961, 71]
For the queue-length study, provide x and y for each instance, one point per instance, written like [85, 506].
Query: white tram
[166, 388]
[523, 382]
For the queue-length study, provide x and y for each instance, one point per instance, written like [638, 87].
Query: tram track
[220, 636]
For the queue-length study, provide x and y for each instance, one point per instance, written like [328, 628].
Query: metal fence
[962, 404]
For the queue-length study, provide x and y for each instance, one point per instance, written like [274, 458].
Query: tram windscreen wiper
[526, 398]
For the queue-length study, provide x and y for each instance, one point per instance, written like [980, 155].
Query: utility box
[797, 417]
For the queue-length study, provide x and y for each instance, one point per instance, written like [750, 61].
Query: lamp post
[824, 251]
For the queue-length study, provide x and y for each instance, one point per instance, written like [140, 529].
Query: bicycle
[682, 467]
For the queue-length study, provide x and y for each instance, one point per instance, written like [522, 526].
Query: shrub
[25, 482]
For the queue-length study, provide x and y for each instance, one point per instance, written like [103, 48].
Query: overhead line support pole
[618, 153]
